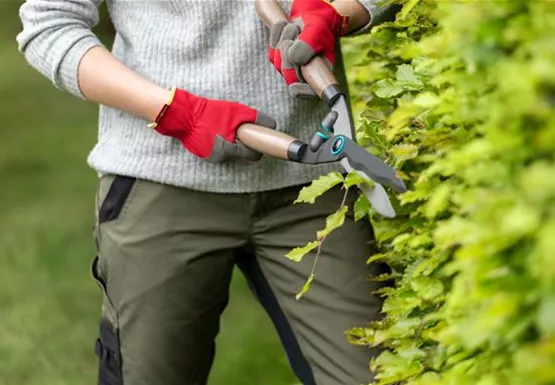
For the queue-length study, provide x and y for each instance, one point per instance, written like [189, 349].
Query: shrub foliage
[460, 97]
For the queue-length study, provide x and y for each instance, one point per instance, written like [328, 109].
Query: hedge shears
[334, 139]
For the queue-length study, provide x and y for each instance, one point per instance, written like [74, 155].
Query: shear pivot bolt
[338, 145]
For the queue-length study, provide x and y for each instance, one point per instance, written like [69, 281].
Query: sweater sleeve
[378, 14]
[56, 34]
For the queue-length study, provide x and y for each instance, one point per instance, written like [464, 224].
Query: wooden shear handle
[316, 73]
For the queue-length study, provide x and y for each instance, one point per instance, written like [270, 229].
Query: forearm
[58, 41]
[365, 14]
[358, 14]
[105, 80]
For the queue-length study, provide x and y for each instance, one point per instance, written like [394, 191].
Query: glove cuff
[176, 117]
[163, 110]
[339, 23]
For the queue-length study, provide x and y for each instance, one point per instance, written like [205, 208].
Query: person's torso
[213, 48]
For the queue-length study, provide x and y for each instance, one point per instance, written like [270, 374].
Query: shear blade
[377, 196]
[374, 167]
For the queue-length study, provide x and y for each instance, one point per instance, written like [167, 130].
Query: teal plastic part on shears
[337, 148]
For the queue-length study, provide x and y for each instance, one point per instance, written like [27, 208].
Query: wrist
[160, 101]
[341, 18]
[178, 114]
[356, 14]
[321, 10]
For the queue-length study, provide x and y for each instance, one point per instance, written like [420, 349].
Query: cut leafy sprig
[334, 221]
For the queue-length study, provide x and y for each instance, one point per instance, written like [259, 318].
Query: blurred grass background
[49, 306]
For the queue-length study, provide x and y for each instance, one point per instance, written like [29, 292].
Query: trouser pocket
[113, 198]
[107, 346]
[116, 199]
[109, 356]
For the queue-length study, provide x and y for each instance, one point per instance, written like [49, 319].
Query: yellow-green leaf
[333, 222]
[427, 287]
[399, 119]
[318, 187]
[298, 253]
[387, 88]
[407, 7]
[426, 100]
[354, 178]
[407, 78]
[361, 207]
[404, 151]
[306, 287]
[378, 257]
[439, 200]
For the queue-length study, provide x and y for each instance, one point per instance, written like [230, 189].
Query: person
[181, 202]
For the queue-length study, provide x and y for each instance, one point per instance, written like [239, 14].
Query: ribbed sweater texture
[212, 48]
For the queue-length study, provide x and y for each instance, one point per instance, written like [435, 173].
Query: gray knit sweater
[213, 48]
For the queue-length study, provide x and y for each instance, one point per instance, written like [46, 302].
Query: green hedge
[460, 96]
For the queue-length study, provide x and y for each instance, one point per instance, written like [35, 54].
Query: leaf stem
[319, 249]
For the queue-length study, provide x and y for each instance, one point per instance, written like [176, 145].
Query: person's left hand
[313, 29]
[208, 128]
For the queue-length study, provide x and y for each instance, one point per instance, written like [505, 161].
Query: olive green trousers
[165, 261]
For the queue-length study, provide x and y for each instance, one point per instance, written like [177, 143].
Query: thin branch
[318, 251]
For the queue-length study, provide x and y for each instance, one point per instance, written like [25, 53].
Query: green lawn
[48, 304]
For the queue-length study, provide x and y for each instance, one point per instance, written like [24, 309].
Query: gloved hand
[207, 128]
[313, 29]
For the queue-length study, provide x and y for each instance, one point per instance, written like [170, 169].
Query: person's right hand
[208, 128]
[313, 29]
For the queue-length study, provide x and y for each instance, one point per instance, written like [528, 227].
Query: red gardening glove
[207, 128]
[314, 28]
